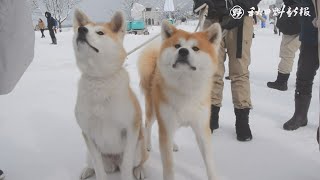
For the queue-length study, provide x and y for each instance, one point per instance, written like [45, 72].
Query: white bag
[16, 42]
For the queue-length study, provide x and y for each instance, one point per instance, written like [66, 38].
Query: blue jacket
[309, 34]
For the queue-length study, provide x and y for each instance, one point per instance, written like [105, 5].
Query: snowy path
[40, 140]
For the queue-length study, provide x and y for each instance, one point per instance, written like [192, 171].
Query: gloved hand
[198, 3]
[211, 12]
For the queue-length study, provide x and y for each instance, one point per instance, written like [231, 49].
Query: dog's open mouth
[186, 62]
[84, 40]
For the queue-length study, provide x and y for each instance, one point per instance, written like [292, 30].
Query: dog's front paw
[175, 147]
[86, 173]
[139, 173]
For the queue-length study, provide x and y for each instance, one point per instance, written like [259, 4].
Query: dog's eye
[177, 46]
[100, 33]
[195, 48]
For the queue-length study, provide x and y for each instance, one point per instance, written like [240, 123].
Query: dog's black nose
[183, 52]
[83, 30]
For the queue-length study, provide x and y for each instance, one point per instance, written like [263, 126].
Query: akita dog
[107, 110]
[176, 78]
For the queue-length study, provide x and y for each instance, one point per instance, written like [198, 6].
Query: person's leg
[51, 34]
[307, 66]
[217, 85]
[53, 37]
[217, 88]
[239, 75]
[42, 32]
[288, 48]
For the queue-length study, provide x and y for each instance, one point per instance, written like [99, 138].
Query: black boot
[242, 124]
[54, 40]
[299, 118]
[281, 83]
[214, 118]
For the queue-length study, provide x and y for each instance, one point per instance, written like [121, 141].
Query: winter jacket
[289, 25]
[289, 2]
[309, 34]
[16, 42]
[41, 25]
[51, 21]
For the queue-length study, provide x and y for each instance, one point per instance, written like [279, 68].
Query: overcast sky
[100, 10]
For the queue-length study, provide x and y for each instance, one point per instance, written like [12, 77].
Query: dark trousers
[53, 37]
[308, 65]
[42, 30]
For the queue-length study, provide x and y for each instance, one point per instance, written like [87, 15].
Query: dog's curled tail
[146, 67]
[147, 64]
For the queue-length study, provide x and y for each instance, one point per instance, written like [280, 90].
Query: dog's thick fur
[107, 110]
[177, 86]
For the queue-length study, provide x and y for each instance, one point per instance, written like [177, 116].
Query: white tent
[168, 6]
[136, 11]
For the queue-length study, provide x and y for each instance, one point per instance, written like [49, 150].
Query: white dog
[107, 110]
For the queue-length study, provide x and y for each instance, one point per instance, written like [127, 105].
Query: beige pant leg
[218, 84]
[238, 68]
[288, 48]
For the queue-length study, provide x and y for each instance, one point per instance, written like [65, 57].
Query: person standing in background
[41, 27]
[263, 23]
[16, 47]
[237, 45]
[51, 25]
[308, 65]
[290, 44]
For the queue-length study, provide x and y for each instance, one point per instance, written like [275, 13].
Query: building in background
[153, 16]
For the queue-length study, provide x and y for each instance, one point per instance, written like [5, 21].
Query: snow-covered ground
[40, 139]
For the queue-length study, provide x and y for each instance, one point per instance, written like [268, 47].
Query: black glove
[198, 3]
[211, 10]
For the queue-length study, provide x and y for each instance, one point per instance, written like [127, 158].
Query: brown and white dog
[107, 110]
[176, 78]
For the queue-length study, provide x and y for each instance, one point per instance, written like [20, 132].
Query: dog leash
[203, 13]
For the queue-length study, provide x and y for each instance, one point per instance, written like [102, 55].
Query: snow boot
[281, 83]
[54, 40]
[299, 119]
[242, 124]
[1, 175]
[214, 118]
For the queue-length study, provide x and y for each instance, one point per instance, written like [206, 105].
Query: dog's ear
[118, 22]
[167, 29]
[214, 34]
[80, 19]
